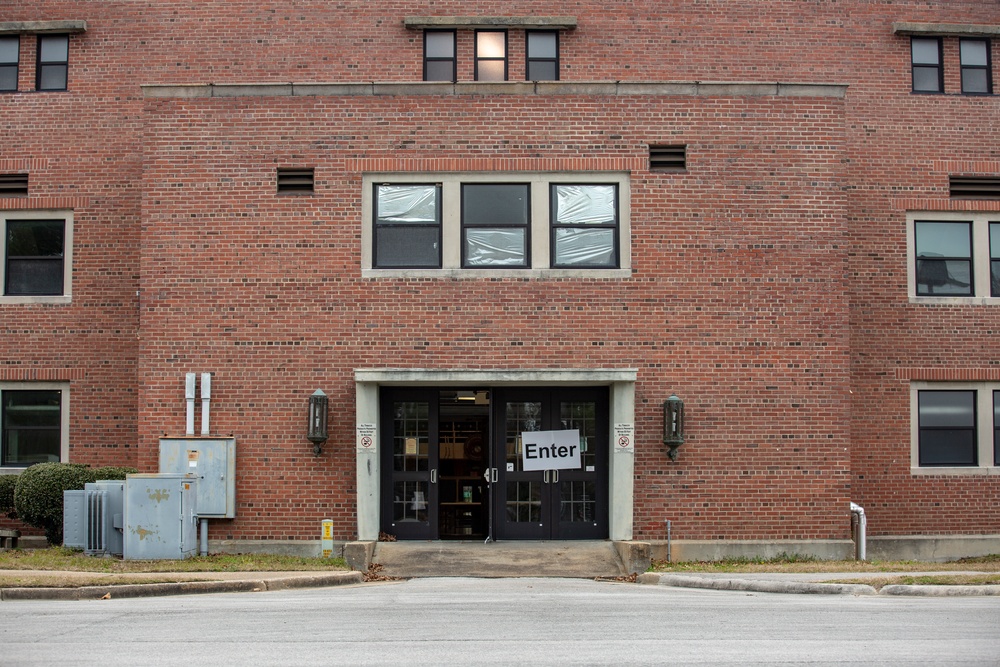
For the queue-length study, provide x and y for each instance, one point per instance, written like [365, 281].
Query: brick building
[465, 223]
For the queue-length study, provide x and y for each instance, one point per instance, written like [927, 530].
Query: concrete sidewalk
[190, 583]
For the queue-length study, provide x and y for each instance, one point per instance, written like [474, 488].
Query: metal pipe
[668, 541]
[206, 396]
[203, 546]
[859, 530]
[189, 395]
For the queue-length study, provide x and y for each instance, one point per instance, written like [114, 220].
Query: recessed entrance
[452, 463]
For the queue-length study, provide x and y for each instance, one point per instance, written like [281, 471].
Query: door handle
[545, 477]
[496, 475]
[555, 476]
[434, 475]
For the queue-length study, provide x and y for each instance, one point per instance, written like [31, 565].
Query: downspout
[859, 531]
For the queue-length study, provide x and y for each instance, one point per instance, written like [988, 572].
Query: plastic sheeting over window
[585, 225]
[495, 247]
[406, 204]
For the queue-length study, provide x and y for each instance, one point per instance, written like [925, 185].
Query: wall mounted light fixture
[673, 425]
[318, 406]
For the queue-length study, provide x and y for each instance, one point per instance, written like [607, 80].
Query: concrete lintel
[251, 89]
[473, 22]
[414, 376]
[16, 27]
[944, 29]
[544, 88]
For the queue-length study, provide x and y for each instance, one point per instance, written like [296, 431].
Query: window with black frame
[928, 75]
[34, 261]
[53, 62]
[995, 259]
[495, 225]
[996, 428]
[439, 55]
[943, 258]
[947, 428]
[542, 58]
[407, 226]
[491, 55]
[584, 226]
[31, 427]
[974, 55]
[10, 47]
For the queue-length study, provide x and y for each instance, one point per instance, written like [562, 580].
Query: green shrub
[38, 494]
[7, 483]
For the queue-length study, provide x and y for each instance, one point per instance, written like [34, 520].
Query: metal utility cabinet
[213, 461]
[161, 516]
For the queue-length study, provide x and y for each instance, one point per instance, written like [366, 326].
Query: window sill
[967, 471]
[485, 274]
[955, 300]
[30, 300]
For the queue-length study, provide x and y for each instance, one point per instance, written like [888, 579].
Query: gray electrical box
[74, 519]
[105, 517]
[161, 516]
[213, 460]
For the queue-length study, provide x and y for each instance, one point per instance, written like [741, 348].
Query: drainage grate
[974, 187]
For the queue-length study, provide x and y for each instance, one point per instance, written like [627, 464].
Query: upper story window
[33, 423]
[491, 55]
[482, 224]
[53, 62]
[542, 55]
[955, 425]
[585, 226]
[407, 226]
[10, 46]
[495, 230]
[439, 55]
[977, 76]
[954, 255]
[35, 247]
[928, 74]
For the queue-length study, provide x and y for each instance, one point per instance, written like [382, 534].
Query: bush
[38, 494]
[7, 483]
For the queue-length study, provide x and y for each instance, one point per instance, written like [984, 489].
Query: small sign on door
[550, 450]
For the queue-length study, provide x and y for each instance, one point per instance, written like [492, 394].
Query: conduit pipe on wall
[859, 531]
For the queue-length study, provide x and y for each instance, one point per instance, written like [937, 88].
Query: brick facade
[768, 282]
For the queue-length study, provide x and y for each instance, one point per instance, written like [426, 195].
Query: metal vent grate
[296, 181]
[667, 158]
[974, 187]
[13, 185]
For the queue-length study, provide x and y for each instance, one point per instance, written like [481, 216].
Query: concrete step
[575, 559]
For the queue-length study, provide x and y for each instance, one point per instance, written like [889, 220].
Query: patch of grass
[61, 558]
[57, 580]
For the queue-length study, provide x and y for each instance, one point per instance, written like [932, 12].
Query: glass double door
[453, 468]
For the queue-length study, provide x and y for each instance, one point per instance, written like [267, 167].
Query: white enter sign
[550, 450]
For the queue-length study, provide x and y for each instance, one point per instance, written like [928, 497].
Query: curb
[760, 586]
[940, 591]
[180, 588]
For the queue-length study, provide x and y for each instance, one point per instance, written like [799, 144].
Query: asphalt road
[503, 621]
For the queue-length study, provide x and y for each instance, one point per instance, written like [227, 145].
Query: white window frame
[38, 214]
[62, 387]
[980, 256]
[984, 428]
[539, 228]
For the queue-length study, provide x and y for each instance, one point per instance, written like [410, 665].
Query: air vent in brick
[975, 187]
[667, 158]
[296, 181]
[13, 185]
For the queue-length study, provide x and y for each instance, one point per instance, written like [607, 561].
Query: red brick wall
[769, 285]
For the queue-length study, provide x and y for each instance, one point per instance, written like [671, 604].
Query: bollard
[327, 542]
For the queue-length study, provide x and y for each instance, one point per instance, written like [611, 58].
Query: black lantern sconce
[318, 407]
[673, 425]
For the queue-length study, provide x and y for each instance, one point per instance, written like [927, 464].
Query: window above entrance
[467, 225]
